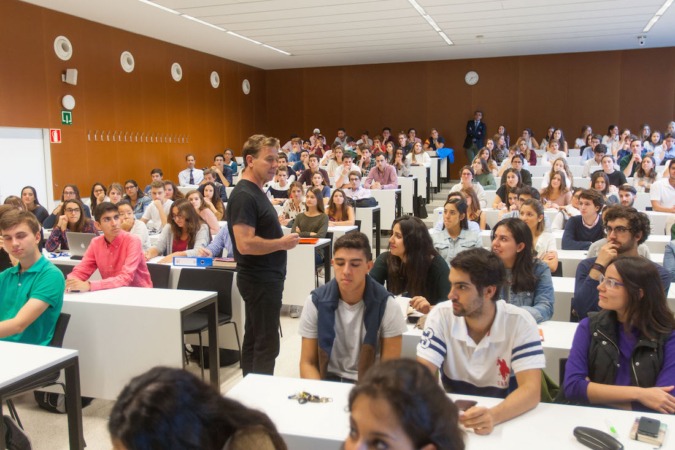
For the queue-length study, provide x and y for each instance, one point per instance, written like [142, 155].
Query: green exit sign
[67, 117]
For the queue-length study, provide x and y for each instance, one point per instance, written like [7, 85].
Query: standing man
[259, 248]
[481, 343]
[190, 176]
[31, 293]
[117, 255]
[475, 135]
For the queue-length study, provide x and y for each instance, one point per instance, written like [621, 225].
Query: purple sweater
[576, 370]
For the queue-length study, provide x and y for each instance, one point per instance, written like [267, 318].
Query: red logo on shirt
[504, 370]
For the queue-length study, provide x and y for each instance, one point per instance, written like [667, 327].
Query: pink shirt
[120, 263]
[387, 178]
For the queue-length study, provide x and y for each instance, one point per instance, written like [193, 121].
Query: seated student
[171, 408]
[98, 195]
[171, 191]
[220, 246]
[399, 405]
[31, 293]
[293, 206]
[222, 171]
[630, 163]
[184, 236]
[116, 193]
[155, 175]
[532, 213]
[476, 219]
[412, 267]
[637, 371]
[645, 175]
[278, 189]
[626, 229]
[212, 200]
[317, 182]
[592, 141]
[513, 182]
[662, 193]
[467, 180]
[627, 195]
[230, 161]
[210, 177]
[283, 161]
[307, 175]
[560, 220]
[556, 194]
[139, 201]
[155, 216]
[70, 191]
[339, 211]
[355, 190]
[129, 223]
[347, 167]
[313, 222]
[529, 283]
[522, 193]
[417, 156]
[483, 175]
[582, 230]
[351, 321]
[464, 337]
[190, 176]
[399, 162]
[366, 162]
[7, 261]
[117, 255]
[70, 219]
[383, 175]
[599, 151]
[303, 164]
[455, 236]
[600, 183]
[197, 200]
[616, 177]
[32, 205]
[553, 152]
[517, 163]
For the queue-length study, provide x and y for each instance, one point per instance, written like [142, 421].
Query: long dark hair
[333, 208]
[74, 188]
[600, 174]
[36, 203]
[81, 222]
[649, 312]
[411, 276]
[509, 189]
[216, 201]
[319, 199]
[192, 221]
[522, 273]
[420, 405]
[92, 198]
[461, 207]
[640, 173]
[172, 409]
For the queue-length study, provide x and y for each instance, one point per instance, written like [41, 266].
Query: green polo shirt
[43, 281]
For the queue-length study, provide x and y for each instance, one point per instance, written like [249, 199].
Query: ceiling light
[432, 22]
[276, 49]
[417, 7]
[194, 19]
[651, 23]
[156, 5]
[232, 33]
[662, 10]
[446, 38]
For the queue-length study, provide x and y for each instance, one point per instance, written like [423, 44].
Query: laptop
[78, 243]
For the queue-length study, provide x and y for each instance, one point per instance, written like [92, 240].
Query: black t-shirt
[250, 206]
[617, 178]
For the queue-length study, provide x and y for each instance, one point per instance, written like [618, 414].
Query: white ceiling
[345, 32]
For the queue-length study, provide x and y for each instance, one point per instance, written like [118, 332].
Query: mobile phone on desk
[649, 427]
[463, 405]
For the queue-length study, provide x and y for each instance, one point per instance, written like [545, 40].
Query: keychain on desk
[304, 397]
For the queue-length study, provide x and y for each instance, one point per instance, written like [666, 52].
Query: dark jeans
[262, 300]
[471, 153]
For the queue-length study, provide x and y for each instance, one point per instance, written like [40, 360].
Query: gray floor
[50, 431]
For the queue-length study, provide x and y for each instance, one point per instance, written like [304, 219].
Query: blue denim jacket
[540, 302]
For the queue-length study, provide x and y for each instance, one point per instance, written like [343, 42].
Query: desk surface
[22, 360]
[136, 297]
[325, 425]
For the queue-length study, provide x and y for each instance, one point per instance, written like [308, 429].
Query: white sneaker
[295, 312]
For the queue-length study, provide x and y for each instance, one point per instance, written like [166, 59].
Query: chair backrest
[60, 330]
[357, 222]
[65, 268]
[159, 274]
[218, 280]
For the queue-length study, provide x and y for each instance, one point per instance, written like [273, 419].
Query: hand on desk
[73, 285]
[659, 399]
[478, 418]
[420, 304]
[203, 251]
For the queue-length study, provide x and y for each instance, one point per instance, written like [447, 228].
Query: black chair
[217, 280]
[49, 379]
[357, 222]
[159, 274]
[562, 362]
[65, 268]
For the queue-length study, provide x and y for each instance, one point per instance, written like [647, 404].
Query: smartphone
[649, 427]
[463, 405]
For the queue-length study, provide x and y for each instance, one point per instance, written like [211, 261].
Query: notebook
[78, 243]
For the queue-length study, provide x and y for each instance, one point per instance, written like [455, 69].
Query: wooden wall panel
[146, 105]
[567, 90]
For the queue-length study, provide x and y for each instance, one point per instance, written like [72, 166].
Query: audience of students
[138, 200]
[339, 211]
[483, 175]
[467, 181]
[130, 224]
[70, 192]
[197, 200]
[293, 206]
[582, 230]
[32, 204]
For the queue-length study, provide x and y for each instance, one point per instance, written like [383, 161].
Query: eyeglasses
[68, 192]
[72, 210]
[131, 186]
[619, 230]
[178, 216]
[611, 282]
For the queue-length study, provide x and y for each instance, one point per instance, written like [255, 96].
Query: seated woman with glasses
[136, 197]
[70, 191]
[637, 371]
[412, 267]
[70, 218]
[185, 234]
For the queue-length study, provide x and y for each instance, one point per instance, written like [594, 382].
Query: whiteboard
[25, 157]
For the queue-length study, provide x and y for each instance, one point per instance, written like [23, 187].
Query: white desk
[659, 220]
[301, 272]
[422, 173]
[326, 425]
[370, 218]
[120, 333]
[23, 364]
[492, 216]
[389, 201]
[570, 260]
[409, 190]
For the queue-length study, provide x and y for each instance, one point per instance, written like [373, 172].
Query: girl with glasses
[70, 191]
[137, 198]
[624, 356]
[70, 218]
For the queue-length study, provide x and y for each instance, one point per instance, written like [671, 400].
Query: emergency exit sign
[67, 117]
